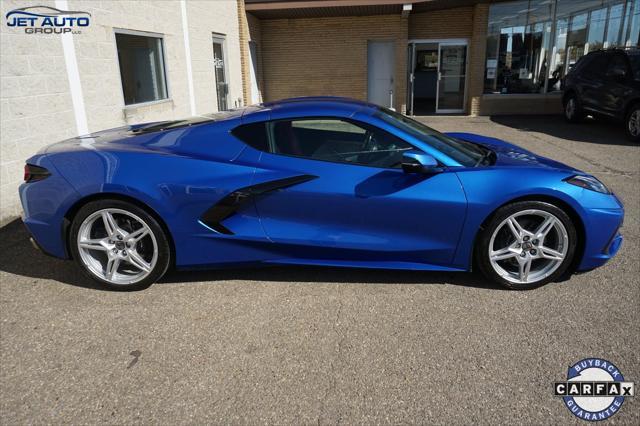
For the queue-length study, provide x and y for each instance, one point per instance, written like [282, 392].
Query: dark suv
[605, 83]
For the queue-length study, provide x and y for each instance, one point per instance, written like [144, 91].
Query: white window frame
[164, 65]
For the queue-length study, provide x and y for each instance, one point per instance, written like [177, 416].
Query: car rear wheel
[573, 112]
[632, 123]
[119, 244]
[526, 244]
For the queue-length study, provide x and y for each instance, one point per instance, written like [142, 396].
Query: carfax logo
[595, 389]
[48, 20]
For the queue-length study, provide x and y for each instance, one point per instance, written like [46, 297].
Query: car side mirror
[415, 161]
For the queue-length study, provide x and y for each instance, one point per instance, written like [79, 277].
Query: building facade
[435, 56]
[140, 61]
[136, 61]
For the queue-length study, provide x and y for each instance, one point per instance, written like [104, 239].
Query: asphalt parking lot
[326, 346]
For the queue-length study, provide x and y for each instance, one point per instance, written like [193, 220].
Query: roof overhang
[291, 9]
[278, 9]
[304, 4]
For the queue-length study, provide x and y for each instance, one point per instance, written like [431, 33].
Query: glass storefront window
[532, 44]
[518, 40]
[633, 39]
[597, 23]
[614, 24]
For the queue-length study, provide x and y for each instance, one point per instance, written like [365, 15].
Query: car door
[616, 87]
[591, 81]
[351, 200]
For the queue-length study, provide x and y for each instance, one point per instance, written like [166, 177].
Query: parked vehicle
[314, 181]
[605, 83]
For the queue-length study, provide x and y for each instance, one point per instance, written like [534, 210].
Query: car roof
[632, 50]
[313, 105]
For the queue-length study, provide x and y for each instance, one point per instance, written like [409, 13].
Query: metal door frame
[440, 42]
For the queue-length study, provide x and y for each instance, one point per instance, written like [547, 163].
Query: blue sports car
[313, 181]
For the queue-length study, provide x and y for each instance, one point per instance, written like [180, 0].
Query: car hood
[510, 155]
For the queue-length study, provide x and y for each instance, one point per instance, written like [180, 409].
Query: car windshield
[635, 65]
[466, 153]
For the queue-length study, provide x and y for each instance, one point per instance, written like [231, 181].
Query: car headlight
[588, 182]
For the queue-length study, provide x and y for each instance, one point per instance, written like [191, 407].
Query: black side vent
[229, 205]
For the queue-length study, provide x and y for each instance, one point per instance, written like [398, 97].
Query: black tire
[573, 111]
[484, 239]
[632, 114]
[164, 252]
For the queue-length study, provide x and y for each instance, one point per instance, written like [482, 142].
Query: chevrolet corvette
[313, 181]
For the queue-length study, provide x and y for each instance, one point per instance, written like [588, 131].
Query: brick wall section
[328, 56]
[448, 23]
[250, 31]
[35, 103]
[401, 65]
[243, 27]
[477, 55]
[255, 35]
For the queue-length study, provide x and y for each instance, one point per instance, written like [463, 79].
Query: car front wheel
[573, 112]
[119, 244]
[632, 123]
[526, 244]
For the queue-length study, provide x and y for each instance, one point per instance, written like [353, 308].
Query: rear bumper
[45, 229]
[603, 238]
[36, 246]
[44, 204]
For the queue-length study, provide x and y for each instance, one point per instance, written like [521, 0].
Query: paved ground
[298, 345]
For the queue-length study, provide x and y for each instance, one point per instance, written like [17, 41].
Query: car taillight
[35, 173]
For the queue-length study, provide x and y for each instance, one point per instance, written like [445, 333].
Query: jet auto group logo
[48, 20]
[594, 390]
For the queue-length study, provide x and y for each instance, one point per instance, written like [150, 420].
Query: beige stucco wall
[35, 103]
[207, 17]
[98, 61]
[35, 100]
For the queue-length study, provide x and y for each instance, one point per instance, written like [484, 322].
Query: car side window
[617, 64]
[596, 66]
[337, 140]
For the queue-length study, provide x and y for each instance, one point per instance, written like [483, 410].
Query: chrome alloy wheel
[528, 246]
[634, 123]
[117, 246]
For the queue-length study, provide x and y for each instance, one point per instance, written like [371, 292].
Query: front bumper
[602, 237]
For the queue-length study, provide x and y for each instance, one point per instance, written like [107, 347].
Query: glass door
[452, 70]
[222, 88]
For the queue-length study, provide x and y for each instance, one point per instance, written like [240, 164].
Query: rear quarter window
[253, 134]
